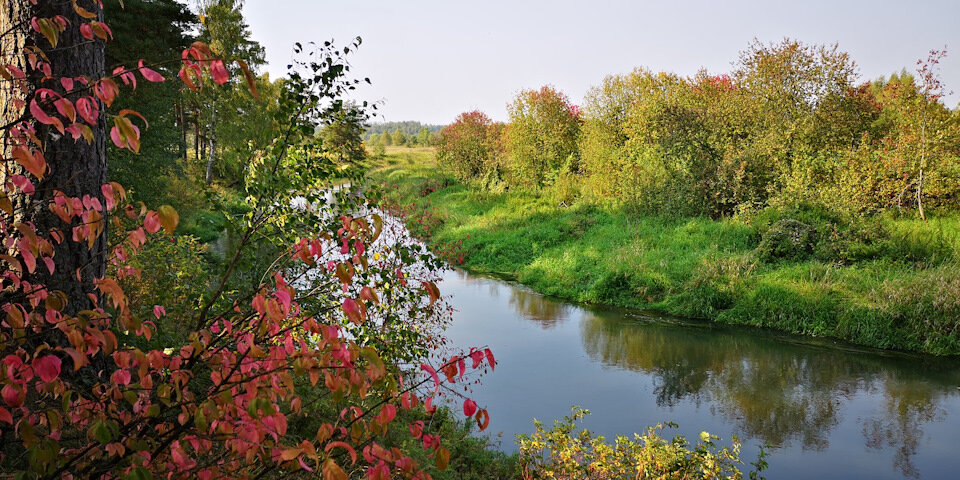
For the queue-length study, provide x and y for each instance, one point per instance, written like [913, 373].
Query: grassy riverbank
[885, 282]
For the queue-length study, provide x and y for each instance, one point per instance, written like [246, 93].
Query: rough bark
[76, 168]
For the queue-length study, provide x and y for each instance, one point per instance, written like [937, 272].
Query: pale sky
[431, 60]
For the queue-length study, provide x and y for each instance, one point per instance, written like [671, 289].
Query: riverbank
[887, 283]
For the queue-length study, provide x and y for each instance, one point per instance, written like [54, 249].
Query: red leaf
[47, 367]
[150, 75]
[416, 429]
[5, 416]
[65, 107]
[121, 377]
[432, 290]
[116, 137]
[12, 396]
[388, 413]
[39, 114]
[431, 372]
[490, 359]
[450, 370]
[469, 407]
[477, 357]
[219, 72]
[152, 222]
[185, 77]
[88, 110]
[159, 311]
[352, 310]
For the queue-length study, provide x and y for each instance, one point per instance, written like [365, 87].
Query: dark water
[825, 409]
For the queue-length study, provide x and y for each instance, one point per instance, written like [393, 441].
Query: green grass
[887, 282]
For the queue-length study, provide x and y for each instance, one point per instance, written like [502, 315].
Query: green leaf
[101, 433]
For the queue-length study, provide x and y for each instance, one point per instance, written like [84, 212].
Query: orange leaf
[442, 458]
[483, 419]
[345, 446]
[287, 454]
[332, 471]
[251, 81]
[82, 12]
[32, 161]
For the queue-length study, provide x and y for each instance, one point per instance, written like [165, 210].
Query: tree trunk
[76, 168]
[182, 119]
[14, 16]
[213, 144]
[923, 164]
[196, 135]
[919, 196]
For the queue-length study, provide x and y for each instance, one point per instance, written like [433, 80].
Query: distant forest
[409, 128]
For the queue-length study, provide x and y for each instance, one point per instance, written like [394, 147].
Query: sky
[431, 60]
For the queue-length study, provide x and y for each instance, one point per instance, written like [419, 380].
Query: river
[825, 409]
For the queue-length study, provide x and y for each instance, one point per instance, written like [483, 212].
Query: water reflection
[531, 306]
[772, 389]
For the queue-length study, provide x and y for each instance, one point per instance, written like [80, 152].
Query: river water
[825, 409]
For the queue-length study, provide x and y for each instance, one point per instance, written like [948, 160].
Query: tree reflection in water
[771, 388]
[534, 307]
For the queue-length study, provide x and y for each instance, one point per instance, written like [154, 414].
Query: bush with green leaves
[563, 453]
[542, 137]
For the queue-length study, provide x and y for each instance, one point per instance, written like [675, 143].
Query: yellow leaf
[169, 218]
[49, 31]
[84, 13]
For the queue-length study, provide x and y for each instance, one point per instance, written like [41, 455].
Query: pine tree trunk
[14, 16]
[76, 168]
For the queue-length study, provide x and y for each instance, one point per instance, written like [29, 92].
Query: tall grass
[884, 282]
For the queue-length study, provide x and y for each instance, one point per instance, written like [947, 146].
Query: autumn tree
[469, 145]
[543, 134]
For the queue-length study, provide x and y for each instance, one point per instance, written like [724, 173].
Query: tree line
[408, 133]
[790, 124]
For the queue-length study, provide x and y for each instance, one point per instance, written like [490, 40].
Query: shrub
[469, 146]
[565, 454]
[542, 138]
